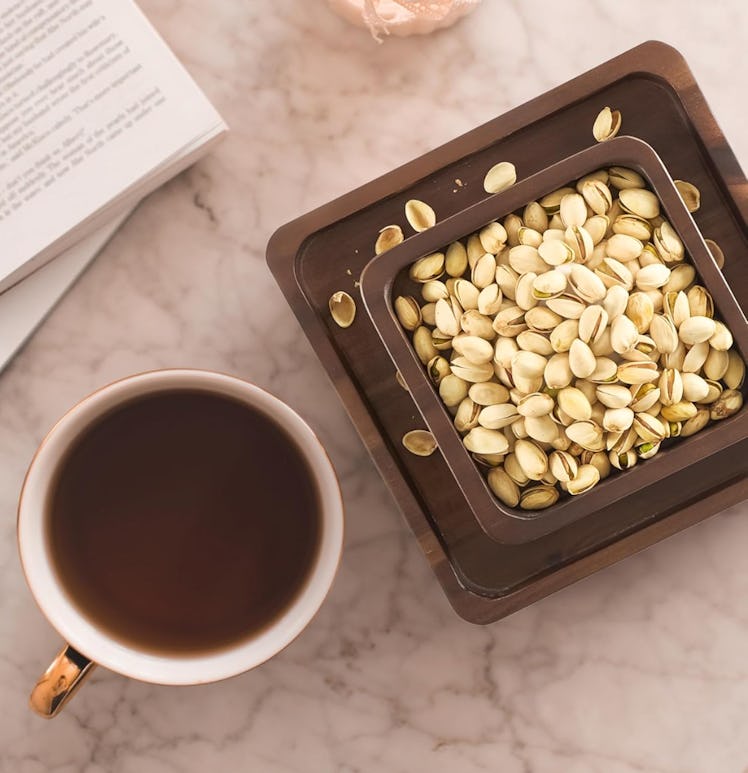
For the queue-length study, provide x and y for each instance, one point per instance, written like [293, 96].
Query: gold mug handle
[60, 681]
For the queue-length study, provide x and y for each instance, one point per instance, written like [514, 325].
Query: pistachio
[466, 293]
[592, 324]
[408, 311]
[552, 202]
[557, 372]
[716, 364]
[615, 302]
[484, 271]
[390, 236]
[452, 390]
[474, 323]
[648, 428]
[493, 237]
[531, 341]
[506, 279]
[488, 393]
[581, 359]
[644, 397]
[503, 487]
[624, 334]
[695, 424]
[485, 441]
[714, 390]
[586, 478]
[613, 395]
[514, 471]
[574, 403]
[700, 302]
[419, 442]
[342, 308]
[455, 261]
[466, 417]
[474, 349]
[428, 314]
[529, 236]
[434, 290]
[528, 364]
[696, 330]
[531, 458]
[498, 416]
[695, 388]
[689, 193]
[587, 434]
[717, 254]
[401, 381]
[623, 460]
[623, 247]
[637, 372]
[618, 419]
[524, 258]
[423, 344]
[613, 272]
[728, 403]
[653, 276]
[500, 177]
[535, 404]
[682, 276]
[535, 217]
[419, 215]
[681, 411]
[573, 210]
[663, 333]
[563, 335]
[668, 244]
[548, 285]
[471, 372]
[596, 226]
[675, 306]
[538, 497]
[671, 386]
[541, 428]
[633, 226]
[427, 268]
[695, 358]
[566, 306]
[504, 350]
[606, 125]
[580, 241]
[639, 202]
[647, 450]
[586, 284]
[541, 319]
[555, 252]
[640, 311]
[563, 466]
[734, 375]
[597, 195]
[622, 178]
[438, 368]
[489, 300]
[721, 339]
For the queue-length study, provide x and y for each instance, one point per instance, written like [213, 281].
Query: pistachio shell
[652, 276]
[671, 386]
[563, 466]
[580, 241]
[623, 460]
[524, 258]
[555, 252]
[648, 428]
[618, 419]
[716, 364]
[563, 334]
[695, 424]
[493, 237]
[466, 293]
[622, 178]
[717, 254]
[668, 244]
[615, 301]
[548, 285]
[342, 309]
[531, 341]
[470, 371]
[632, 225]
[419, 442]
[541, 319]
[390, 236]
[438, 368]
[573, 210]
[681, 411]
[490, 299]
[541, 428]
[529, 236]
[528, 364]
[419, 214]
[592, 324]
[681, 277]
[423, 344]
[700, 302]
[624, 334]
[557, 372]
[613, 395]
[500, 177]
[535, 216]
[721, 339]
[689, 193]
[598, 196]
[663, 333]
[695, 388]
[474, 349]
[644, 396]
[467, 415]
[587, 434]
[535, 404]
[474, 323]
[637, 372]
[734, 375]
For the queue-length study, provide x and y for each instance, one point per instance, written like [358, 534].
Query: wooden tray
[326, 250]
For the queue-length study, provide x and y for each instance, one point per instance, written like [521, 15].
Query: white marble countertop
[641, 667]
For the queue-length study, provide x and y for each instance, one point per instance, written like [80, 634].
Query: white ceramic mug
[87, 644]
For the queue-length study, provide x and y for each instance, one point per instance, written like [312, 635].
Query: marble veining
[641, 667]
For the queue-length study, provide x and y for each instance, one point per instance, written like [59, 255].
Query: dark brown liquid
[183, 522]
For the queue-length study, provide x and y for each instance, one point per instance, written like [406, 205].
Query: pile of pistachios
[571, 338]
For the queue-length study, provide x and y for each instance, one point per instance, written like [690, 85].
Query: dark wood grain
[327, 249]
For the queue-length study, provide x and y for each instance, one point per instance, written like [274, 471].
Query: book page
[91, 102]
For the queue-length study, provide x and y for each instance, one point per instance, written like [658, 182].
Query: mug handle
[60, 681]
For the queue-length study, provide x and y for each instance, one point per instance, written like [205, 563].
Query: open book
[95, 112]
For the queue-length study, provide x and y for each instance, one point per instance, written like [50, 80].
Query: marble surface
[641, 667]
